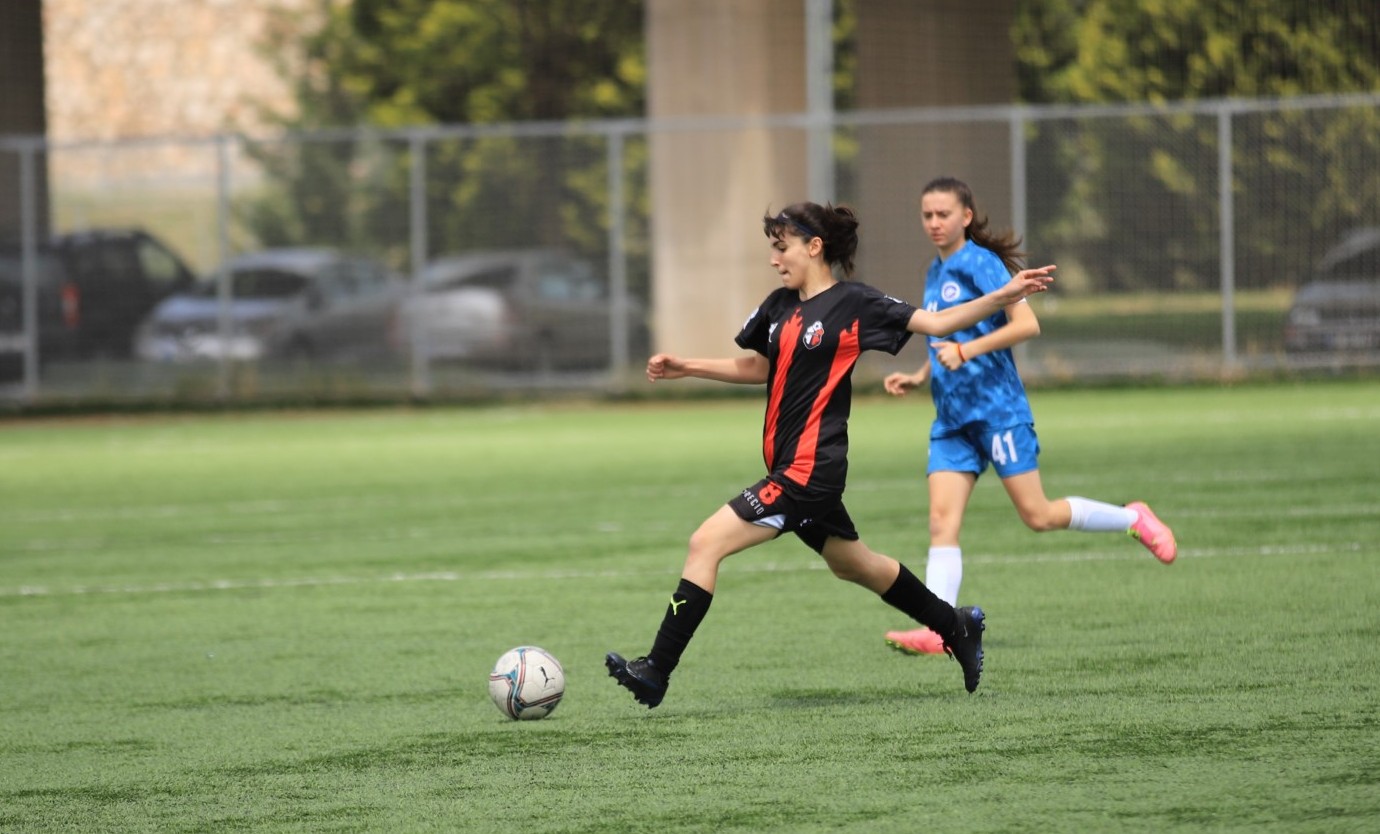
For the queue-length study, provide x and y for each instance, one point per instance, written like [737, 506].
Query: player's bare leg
[960, 629]
[948, 499]
[720, 536]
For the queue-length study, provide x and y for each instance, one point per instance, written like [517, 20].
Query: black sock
[911, 596]
[688, 606]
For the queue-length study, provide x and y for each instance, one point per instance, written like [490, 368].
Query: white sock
[1096, 517]
[944, 572]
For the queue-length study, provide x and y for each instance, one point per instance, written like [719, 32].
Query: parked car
[1339, 309]
[94, 287]
[292, 302]
[533, 309]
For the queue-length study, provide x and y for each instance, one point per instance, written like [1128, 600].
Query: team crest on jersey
[950, 291]
[814, 335]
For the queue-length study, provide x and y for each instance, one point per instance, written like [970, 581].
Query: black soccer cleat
[639, 676]
[965, 644]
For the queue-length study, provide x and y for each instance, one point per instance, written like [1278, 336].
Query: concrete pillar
[936, 53]
[709, 188]
[715, 58]
[22, 110]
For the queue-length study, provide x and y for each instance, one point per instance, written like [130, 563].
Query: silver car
[1339, 310]
[532, 309]
[308, 303]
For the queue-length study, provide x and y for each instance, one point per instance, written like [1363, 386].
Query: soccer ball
[527, 683]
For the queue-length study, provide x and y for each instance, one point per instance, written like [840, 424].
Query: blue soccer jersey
[986, 389]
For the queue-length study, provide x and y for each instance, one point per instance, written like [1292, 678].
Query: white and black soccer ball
[527, 683]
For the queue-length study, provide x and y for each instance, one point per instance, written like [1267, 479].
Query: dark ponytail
[837, 226]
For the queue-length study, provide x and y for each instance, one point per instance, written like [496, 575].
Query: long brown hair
[1005, 244]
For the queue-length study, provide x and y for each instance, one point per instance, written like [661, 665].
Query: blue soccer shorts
[1010, 451]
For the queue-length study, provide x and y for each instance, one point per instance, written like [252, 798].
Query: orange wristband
[958, 346]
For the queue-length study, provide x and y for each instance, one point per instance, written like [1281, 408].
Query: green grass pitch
[284, 622]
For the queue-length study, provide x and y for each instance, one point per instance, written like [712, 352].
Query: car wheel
[544, 356]
[300, 351]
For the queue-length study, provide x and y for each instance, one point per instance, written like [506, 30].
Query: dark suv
[94, 287]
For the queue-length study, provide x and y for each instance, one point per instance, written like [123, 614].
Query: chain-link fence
[1198, 240]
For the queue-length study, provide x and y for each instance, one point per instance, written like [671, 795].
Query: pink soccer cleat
[1153, 533]
[918, 641]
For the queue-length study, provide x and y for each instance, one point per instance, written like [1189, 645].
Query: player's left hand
[1026, 282]
[948, 354]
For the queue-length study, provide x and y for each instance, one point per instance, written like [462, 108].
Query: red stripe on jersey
[787, 339]
[804, 464]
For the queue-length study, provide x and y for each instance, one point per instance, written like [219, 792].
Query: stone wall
[134, 91]
[123, 69]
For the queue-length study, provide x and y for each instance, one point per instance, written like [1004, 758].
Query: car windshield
[12, 268]
[1361, 266]
[1355, 256]
[493, 278]
[568, 281]
[260, 283]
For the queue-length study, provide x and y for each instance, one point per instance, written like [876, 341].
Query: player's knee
[864, 567]
[847, 571]
[842, 564]
[706, 548]
[1041, 520]
[944, 527]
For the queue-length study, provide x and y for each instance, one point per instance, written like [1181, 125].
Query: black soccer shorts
[812, 518]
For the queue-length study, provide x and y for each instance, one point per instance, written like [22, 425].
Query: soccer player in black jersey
[805, 339]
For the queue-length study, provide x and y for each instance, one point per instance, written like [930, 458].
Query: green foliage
[284, 622]
[404, 63]
[1171, 50]
[400, 63]
[458, 62]
[1292, 172]
[482, 61]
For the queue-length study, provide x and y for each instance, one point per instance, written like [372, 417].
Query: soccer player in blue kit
[804, 340]
[982, 414]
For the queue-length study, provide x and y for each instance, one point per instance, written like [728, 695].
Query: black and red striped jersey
[812, 347]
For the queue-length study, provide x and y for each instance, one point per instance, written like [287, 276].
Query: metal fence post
[819, 96]
[1226, 236]
[222, 274]
[1019, 182]
[28, 211]
[420, 342]
[618, 263]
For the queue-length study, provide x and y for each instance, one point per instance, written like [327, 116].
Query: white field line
[469, 499]
[426, 533]
[767, 567]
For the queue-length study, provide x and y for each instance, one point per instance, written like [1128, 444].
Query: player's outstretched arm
[1021, 325]
[747, 370]
[1025, 283]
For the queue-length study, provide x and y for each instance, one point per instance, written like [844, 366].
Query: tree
[1132, 50]
[1292, 170]
[409, 63]
[482, 61]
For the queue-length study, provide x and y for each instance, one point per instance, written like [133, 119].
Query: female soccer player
[806, 337]
[982, 414]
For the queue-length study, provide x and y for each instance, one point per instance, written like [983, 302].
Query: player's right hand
[664, 366]
[1026, 282]
[899, 384]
